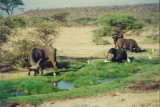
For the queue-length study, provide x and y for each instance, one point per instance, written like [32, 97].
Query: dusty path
[77, 42]
[146, 99]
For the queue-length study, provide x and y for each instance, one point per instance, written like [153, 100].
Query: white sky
[45, 4]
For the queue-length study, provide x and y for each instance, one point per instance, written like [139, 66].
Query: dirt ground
[145, 99]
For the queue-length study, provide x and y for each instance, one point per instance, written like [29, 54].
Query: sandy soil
[146, 99]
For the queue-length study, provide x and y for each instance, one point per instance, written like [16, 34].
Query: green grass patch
[28, 86]
[85, 76]
[70, 76]
[86, 81]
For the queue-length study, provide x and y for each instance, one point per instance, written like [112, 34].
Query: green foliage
[23, 63]
[10, 5]
[20, 48]
[4, 32]
[84, 21]
[85, 81]
[8, 24]
[115, 23]
[45, 31]
[35, 21]
[14, 21]
[149, 21]
[60, 16]
[120, 21]
[103, 31]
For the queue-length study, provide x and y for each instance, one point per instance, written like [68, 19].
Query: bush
[20, 48]
[45, 31]
[35, 21]
[121, 21]
[14, 21]
[60, 16]
[84, 21]
[114, 23]
[103, 31]
[4, 32]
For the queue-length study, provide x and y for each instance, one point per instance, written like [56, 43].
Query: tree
[47, 33]
[120, 23]
[10, 5]
[60, 16]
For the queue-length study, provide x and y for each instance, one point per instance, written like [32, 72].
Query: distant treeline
[141, 11]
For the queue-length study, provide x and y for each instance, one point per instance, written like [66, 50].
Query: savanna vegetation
[86, 77]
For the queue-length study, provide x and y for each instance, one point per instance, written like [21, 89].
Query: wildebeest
[116, 55]
[128, 44]
[37, 55]
[116, 37]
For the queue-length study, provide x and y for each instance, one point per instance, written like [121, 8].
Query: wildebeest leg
[35, 72]
[55, 65]
[29, 73]
[42, 68]
[131, 48]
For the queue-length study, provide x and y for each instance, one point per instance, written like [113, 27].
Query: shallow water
[64, 85]
[69, 85]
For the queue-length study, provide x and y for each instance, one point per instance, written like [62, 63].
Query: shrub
[115, 23]
[45, 31]
[14, 21]
[121, 21]
[103, 31]
[60, 16]
[84, 21]
[35, 21]
[4, 32]
[20, 48]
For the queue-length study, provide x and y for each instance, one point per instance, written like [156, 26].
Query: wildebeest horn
[35, 67]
